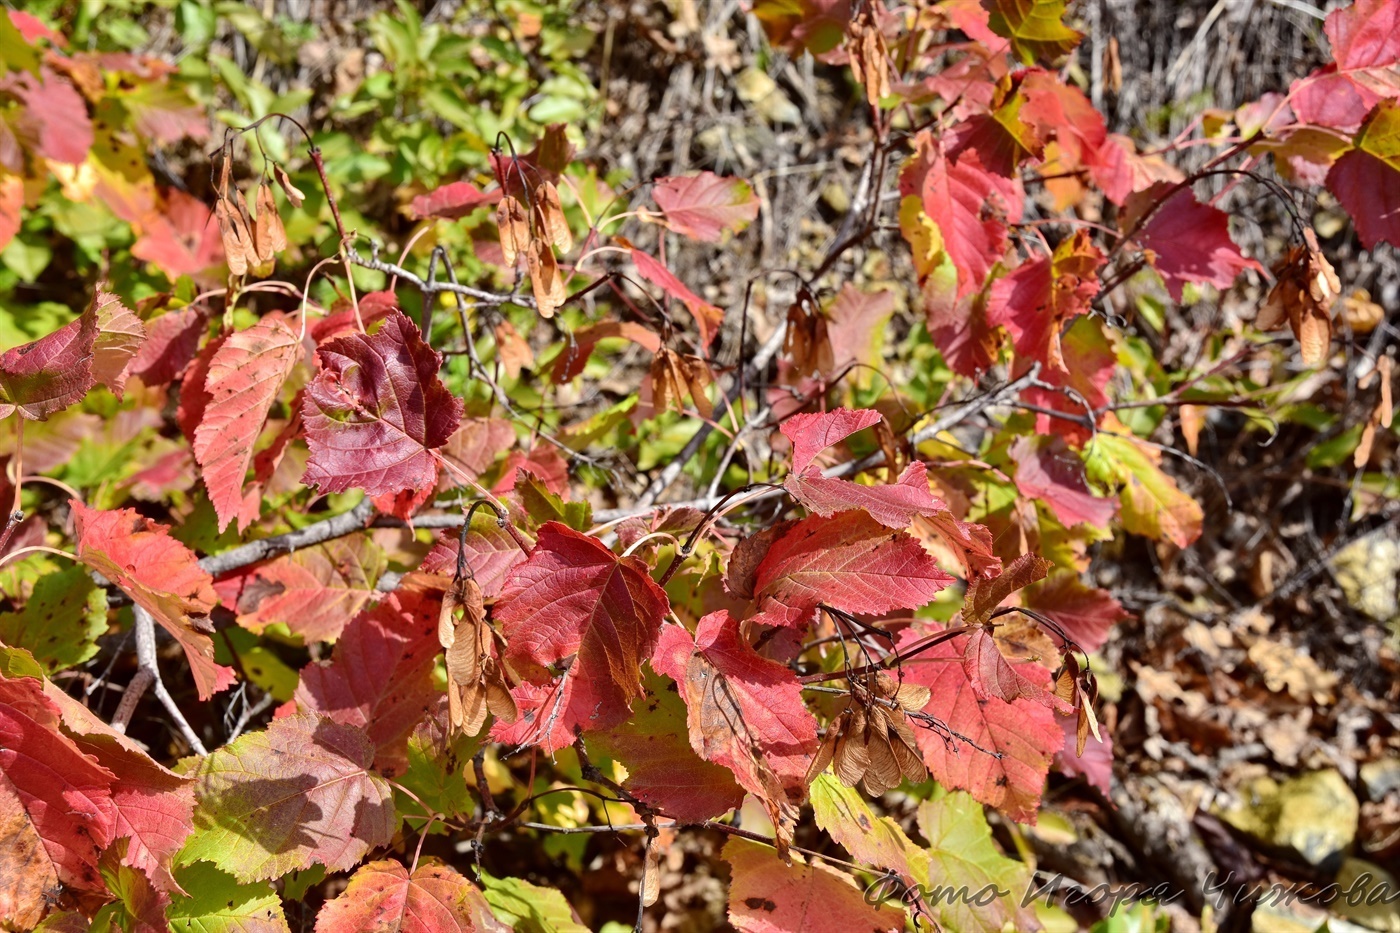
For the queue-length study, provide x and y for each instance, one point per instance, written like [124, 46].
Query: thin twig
[146, 658]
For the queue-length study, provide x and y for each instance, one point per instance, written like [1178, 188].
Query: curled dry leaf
[1303, 295]
[476, 680]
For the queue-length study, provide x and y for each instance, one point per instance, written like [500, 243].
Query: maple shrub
[856, 632]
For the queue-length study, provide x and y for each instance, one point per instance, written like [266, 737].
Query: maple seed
[271, 235]
[513, 227]
[284, 181]
[477, 681]
[549, 215]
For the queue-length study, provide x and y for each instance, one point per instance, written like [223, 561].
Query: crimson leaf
[49, 374]
[376, 410]
[574, 596]
[704, 205]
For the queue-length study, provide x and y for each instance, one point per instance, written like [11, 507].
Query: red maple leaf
[1084, 613]
[120, 336]
[491, 554]
[182, 239]
[892, 504]
[55, 803]
[1365, 34]
[574, 598]
[768, 896]
[1187, 241]
[849, 561]
[171, 342]
[744, 711]
[705, 205]
[663, 770]
[998, 751]
[154, 805]
[452, 201]
[380, 676]
[314, 591]
[55, 121]
[1048, 472]
[161, 575]
[376, 410]
[1037, 298]
[51, 373]
[707, 316]
[435, 898]
[245, 377]
[970, 205]
[1369, 189]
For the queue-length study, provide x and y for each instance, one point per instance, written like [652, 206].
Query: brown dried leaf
[511, 349]
[232, 237]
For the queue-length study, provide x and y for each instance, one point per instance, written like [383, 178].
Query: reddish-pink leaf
[162, 576]
[1369, 189]
[474, 447]
[181, 240]
[154, 805]
[707, 316]
[385, 898]
[663, 769]
[452, 201]
[1095, 765]
[1046, 470]
[855, 325]
[380, 676]
[1085, 613]
[970, 205]
[171, 342]
[987, 592]
[850, 562]
[1038, 297]
[545, 463]
[705, 205]
[314, 591]
[999, 752]
[120, 336]
[812, 433]
[11, 207]
[244, 379]
[56, 809]
[376, 410]
[1365, 34]
[300, 792]
[194, 397]
[766, 896]
[55, 120]
[491, 554]
[991, 675]
[892, 504]
[1336, 101]
[1187, 241]
[1090, 360]
[51, 373]
[575, 597]
[744, 711]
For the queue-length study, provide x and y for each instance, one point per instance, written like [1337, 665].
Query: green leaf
[219, 904]
[1152, 503]
[437, 772]
[530, 908]
[963, 858]
[61, 621]
[1036, 29]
